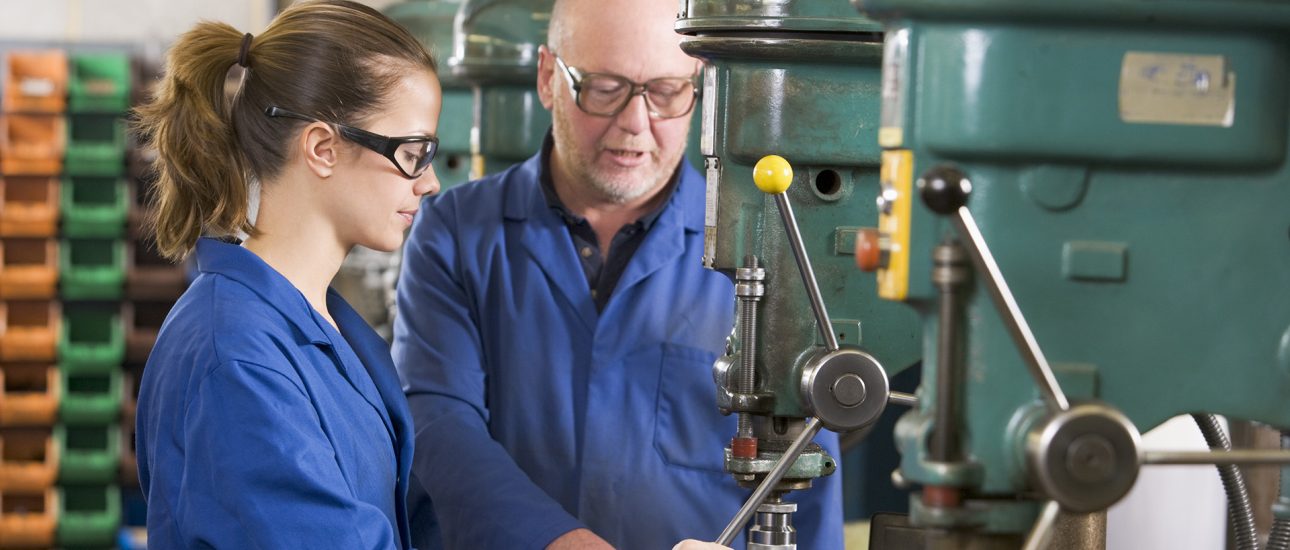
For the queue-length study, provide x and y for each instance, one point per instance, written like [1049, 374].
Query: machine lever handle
[1042, 532]
[945, 191]
[772, 479]
[1234, 456]
[773, 175]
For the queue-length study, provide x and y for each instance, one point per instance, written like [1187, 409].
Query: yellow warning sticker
[897, 181]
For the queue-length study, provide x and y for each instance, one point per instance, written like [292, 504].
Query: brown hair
[335, 60]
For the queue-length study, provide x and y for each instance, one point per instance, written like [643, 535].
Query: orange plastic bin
[31, 394]
[32, 145]
[36, 82]
[29, 519]
[29, 206]
[30, 460]
[28, 268]
[30, 330]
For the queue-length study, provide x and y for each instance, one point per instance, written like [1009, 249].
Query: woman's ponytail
[201, 171]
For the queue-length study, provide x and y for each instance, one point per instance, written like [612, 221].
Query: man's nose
[634, 118]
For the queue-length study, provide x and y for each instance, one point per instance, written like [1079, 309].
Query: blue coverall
[535, 414]
[261, 426]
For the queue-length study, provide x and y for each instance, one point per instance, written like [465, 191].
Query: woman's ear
[320, 146]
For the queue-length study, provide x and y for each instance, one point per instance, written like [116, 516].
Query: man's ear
[545, 74]
[320, 146]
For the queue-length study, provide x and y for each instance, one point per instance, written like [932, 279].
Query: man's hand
[579, 539]
[691, 544]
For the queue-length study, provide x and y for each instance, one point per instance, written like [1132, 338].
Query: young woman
[270, 414]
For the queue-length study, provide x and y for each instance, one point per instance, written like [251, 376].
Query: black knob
[944, 189]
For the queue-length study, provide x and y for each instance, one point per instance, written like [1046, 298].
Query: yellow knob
[773, 174]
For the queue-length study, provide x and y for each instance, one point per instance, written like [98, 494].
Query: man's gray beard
[613, 191]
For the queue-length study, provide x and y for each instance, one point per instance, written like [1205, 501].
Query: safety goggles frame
[386, 146]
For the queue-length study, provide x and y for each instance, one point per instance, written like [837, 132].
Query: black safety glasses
[410, 154]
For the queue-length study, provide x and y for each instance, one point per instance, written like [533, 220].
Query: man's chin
[620, 192]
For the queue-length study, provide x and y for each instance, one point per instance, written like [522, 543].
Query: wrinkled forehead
[633, 38]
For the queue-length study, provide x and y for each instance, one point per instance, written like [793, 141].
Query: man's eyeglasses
[603, 94]
[410, 154]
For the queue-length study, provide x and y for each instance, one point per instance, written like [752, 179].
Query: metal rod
[772, 479]
[1236, 456]
[948, 272]
[902, 398]
[748, 297]
[1011, 313]
[808, 274]
[1042, 532]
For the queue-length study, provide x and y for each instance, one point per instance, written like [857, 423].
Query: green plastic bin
[99, 83]
[94, 206]
[91, 398]
[88, 454]
[92, 339]
[91, 516]
[92, 269]
[95, 145]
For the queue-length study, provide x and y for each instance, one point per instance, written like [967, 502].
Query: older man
[556, 328]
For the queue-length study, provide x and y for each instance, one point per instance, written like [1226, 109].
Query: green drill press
[801, 80]
[495, 50]
[431, 22]
[1085, 203]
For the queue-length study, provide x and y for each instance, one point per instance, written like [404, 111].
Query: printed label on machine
[1164, 88]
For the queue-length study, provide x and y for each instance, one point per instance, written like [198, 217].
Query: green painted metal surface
[774, 84]
[814, 101]
[706, 16]
[431, 22]
[495, 50]
[1128, 164]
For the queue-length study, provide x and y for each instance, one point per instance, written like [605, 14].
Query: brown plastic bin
[36, 82]
[32, 145]
[29, 206]
[30, 395]
[29, 331]
[28, 268]
[149, 276]
[143, 322]
[29, 519]
[28, 459]
[129, 461]
[130, 405]
[142, 186]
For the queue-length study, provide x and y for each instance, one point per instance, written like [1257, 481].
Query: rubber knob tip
[945, 189]
[773, 174]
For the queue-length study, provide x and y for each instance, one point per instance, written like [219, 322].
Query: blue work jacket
[537, 415]
[261, 426]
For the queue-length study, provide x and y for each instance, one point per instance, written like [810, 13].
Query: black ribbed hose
[1279, 538]
[1239, 511]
